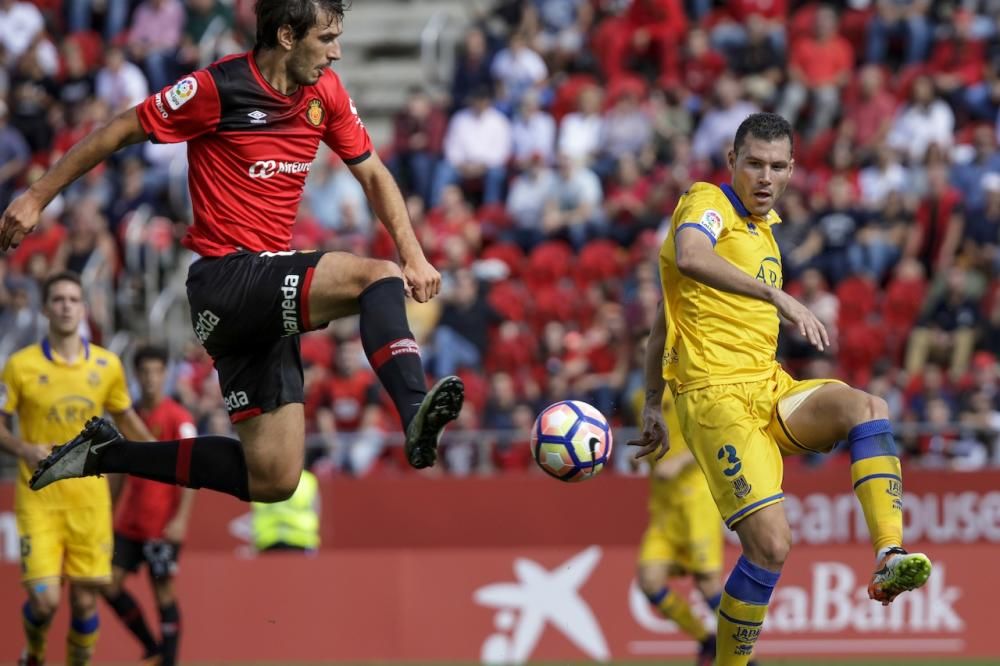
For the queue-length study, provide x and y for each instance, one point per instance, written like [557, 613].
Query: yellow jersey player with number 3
[739, 412]
[53, 387]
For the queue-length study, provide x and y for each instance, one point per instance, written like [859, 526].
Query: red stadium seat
[599, 260]
[858, 298]
[549, 262]
[508, 253]
[509, 298]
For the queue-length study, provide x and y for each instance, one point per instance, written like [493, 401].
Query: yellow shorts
[76, 542]
[686, 532]
[738, 435]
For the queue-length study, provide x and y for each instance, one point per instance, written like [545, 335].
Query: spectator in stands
[821, 302]
[926, 121]
[580, 131]
[628, 206]
[799, 241]
[527, 200]
[698, 67]
[982, 228]
[477, 147]
[32, 91]
[879, 241]
[718, 125]
[564, 25]
[627, 130]
[907, 20]
[883, 178]
[120, 84]
[656, 27]
[334, 196]
[418, 136]
[936, 237]
[115, 16]
[517, 69]
[741, 18]
[574, 208]
[205, 21]
[969, 177]
[461, 337]
[838, 225]
[21, 322]
[946, 331]
[958, 60]
[533, 132]
[760, 61]
[20, 24]
[14, 156]
[154, 38]
[818, 69]
[472, 69]
[868, 114]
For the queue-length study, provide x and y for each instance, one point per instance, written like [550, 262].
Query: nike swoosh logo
[97, 447]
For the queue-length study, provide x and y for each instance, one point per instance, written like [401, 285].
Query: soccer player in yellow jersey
[54, 387]
[739, 411]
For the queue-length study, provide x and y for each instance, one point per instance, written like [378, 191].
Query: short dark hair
[52, 280]
[765, 126]
[149, 353]
[300, 15]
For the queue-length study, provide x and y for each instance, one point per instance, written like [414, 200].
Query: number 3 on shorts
[728, 452]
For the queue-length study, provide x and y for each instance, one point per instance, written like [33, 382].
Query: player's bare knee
[83, 601]
[164, 591]
[277, 488]
[380, 269]
[770, 551]
[650, 580]
[44, 606]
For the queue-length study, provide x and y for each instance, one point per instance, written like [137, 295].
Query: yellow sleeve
[118, 399]
[10, 389]
[704, 208]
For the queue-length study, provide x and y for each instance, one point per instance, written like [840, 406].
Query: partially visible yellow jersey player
[684, 535]
[739, 412]
[53, 387]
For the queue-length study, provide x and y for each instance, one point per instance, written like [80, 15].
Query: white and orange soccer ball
[571, 441]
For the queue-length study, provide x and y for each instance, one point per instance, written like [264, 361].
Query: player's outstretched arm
[23, 213]
[654, 431]
[422, 280]
[697, 259]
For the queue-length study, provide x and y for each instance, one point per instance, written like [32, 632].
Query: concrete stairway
[382, 52]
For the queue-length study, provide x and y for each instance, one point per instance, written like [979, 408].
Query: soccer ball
[571, 441]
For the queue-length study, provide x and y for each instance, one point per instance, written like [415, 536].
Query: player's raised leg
[84, 624]
[766, 539]
[837, 412]
[345, 284]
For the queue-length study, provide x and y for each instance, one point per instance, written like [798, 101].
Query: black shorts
[247, 310]
[160, 556]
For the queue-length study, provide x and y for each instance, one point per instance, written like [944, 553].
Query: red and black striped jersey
[250, 149]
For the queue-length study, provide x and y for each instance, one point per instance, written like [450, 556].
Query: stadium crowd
[539, 182]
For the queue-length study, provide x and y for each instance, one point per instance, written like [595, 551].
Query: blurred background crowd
[540, 175]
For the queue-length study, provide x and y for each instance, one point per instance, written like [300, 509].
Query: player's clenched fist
[19, 219]
[422, 280]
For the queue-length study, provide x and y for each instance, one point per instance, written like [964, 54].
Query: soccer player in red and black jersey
[253, 123]
[152, 519]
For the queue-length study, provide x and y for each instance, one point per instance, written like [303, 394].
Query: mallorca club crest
[315, 112]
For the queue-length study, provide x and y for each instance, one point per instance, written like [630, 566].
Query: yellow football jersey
[53, 399]
[716, 337]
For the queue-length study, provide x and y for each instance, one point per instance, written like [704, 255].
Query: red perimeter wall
[512, 568]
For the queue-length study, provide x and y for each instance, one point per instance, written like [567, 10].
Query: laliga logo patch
[712, 221]
[315, 112]
[182, 91]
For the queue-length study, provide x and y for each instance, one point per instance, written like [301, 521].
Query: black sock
[170, 633]
[131, 615]
[389, 344]
[199, 462]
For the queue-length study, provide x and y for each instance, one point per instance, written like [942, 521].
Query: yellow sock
[81, 640]
[878, 481]
[673, 607]
[35, 632]
[742, 612]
